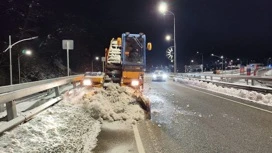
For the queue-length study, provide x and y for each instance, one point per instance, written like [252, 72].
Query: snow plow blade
[144, 103]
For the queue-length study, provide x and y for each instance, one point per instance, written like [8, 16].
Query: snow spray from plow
[121, 101]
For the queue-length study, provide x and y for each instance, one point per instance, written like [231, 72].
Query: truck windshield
[134, 51]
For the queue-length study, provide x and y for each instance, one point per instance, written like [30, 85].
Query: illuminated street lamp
[24, 52]
[10, 57]
[163, 8]
[222, 57]
[96, 58]
[168, 37]
[28, 52]
[202, 61]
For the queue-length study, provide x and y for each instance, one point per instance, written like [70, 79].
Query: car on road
[159, 75]
[93, 79]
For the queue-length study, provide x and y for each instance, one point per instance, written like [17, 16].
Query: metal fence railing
[228, 80]
[8, 94]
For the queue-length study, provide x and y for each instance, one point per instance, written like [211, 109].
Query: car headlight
[154, 75]
[164, 76]
[135, 83]
[87, 82]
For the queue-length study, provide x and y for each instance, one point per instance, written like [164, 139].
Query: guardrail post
[229, 80]
[246, 81]
[252, 82]
[57, 92]
[211, 78]
[11, 110]
[2, 108]
[205, 77]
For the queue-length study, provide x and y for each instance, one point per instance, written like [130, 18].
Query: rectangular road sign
[68, 44]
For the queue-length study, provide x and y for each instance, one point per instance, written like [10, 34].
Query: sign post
[68, 44]
[103, 63]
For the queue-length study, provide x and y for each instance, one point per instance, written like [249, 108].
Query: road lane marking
[139, 143]
[229, 100]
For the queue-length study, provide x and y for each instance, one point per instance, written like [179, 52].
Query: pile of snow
[113, 104]
[62, 128]
[73, 124]
[268, 73]
[254, 96]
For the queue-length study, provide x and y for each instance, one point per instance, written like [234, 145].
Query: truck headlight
[164, 76]
[135, 83]
[154, 75]
[87, 82]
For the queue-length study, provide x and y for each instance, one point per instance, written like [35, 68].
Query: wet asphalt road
[187, 119]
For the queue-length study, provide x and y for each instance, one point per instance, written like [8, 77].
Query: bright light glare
[96, 58]
[212, 54]
[154, 75]
[135, 83]
[168, 37]
[192, 61]
[87, 82]
[164, 76]
[163, 7]
[28, 52]
[222, 57]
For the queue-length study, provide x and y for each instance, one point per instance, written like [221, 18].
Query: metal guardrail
[10, 93]
[4, 89]
[227, 80]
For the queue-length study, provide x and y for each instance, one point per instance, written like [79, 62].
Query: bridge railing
[226, 78]
[229, 80]
[8, 94]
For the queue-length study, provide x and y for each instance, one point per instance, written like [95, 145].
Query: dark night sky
[233, 28]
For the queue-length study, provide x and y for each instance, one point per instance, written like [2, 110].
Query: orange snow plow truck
[125, 62]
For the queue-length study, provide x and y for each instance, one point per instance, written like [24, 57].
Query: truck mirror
[119, 41]
[149, 46]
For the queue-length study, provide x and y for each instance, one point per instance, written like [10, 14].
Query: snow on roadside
[254, 96]
[73, 124]
[268, 73]
[62, 128]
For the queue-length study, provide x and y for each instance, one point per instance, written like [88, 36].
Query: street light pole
[202, 61]
[19, 68]
[27, 52]
[222, 57]
[92, 65]
[68, 66]
[96, 58]
[163, 9]
[10, 60]
[10, 57]
[175, 47]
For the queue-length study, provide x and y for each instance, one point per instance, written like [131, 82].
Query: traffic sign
[68, 44]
